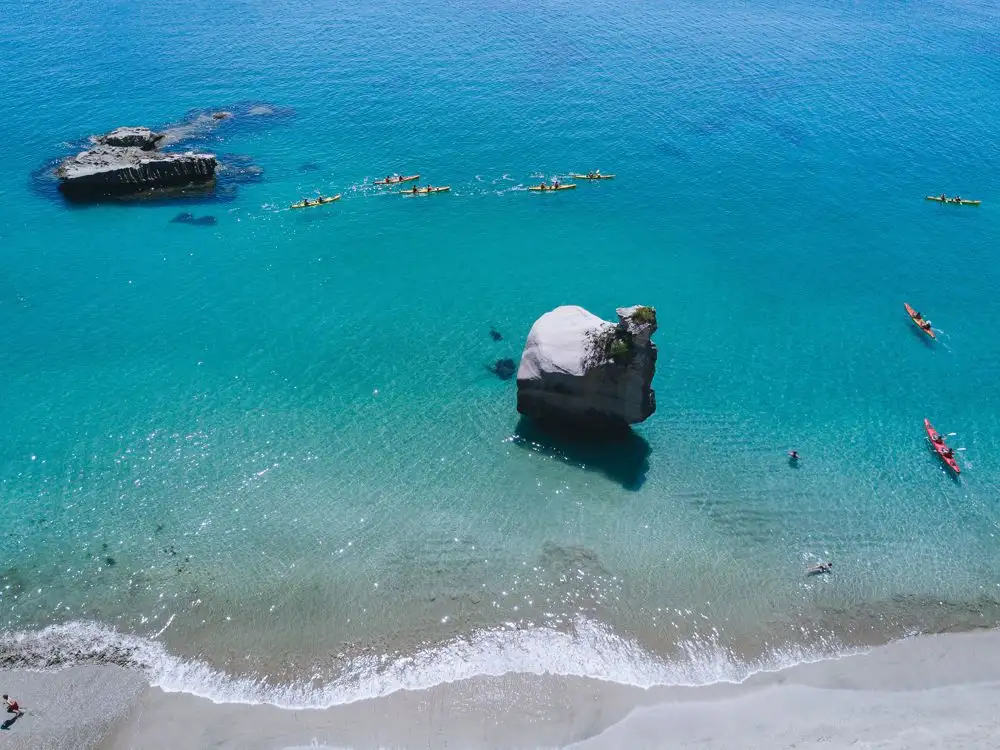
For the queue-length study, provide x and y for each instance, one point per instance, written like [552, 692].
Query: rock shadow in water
[621, 456]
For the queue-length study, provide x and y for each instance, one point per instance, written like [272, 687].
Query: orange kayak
[915, 317]
[937, 442]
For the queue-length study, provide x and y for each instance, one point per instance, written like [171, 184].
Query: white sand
[929, 692]
[73, 708]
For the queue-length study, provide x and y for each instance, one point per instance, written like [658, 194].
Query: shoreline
[927, 691]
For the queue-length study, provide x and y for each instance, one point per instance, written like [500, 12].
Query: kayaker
[555, 184]
[948, 453]
[937, 439]
[944, 198]
[413, 189]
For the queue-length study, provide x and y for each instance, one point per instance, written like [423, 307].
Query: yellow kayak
[551, 188]
[426, 190]
[592, 176]
[317, 202]
[957, 201]
[397, 180]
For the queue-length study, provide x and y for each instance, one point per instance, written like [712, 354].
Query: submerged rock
[198, 221]
[125, 161]
[495, 334]
[503, 368]
[580, 370]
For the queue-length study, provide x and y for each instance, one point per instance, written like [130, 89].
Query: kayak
[426, 190]
[320, 202]
[552, 189]
[953, 201]
[397, 180]
[949, 461]
[913, 316]
[592, 176]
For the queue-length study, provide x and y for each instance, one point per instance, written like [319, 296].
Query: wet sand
[927, 692]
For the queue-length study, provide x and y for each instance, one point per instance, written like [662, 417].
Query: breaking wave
[591, 651]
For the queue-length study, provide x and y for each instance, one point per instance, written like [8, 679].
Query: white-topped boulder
[580, 370]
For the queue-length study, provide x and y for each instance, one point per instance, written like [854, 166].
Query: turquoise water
[273, 443]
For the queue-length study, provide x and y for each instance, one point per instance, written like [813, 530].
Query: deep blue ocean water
[273, 440]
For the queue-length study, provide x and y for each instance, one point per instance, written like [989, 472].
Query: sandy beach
[926, 692]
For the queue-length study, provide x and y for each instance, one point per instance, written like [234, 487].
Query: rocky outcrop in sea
[127, 161]
[581, 371]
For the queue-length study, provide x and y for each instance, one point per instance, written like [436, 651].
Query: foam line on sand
[927, 692]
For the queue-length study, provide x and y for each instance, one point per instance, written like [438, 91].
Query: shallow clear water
[277, 437]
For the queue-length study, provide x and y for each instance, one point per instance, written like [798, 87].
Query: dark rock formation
[495, 334]
[579, 370]
[142, 138]
[198, 221]
[125, 161]
[503, 368]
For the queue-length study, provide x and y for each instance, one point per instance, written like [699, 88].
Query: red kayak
[942, 450]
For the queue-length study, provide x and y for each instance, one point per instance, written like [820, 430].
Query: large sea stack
[582, 372]
[127, 161]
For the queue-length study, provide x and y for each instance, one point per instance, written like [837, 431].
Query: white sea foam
[591, 651]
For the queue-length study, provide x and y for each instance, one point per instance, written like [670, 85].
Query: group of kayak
[937, 442]
[544, 187]
[400, 179]
[396, 179]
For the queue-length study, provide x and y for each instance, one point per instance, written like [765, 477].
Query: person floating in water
[793, 455]
[821, 569]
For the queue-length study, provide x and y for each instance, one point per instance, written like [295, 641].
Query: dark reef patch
[198, 221]
[503, 368]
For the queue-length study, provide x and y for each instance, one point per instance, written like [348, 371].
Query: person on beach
[11, 704]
